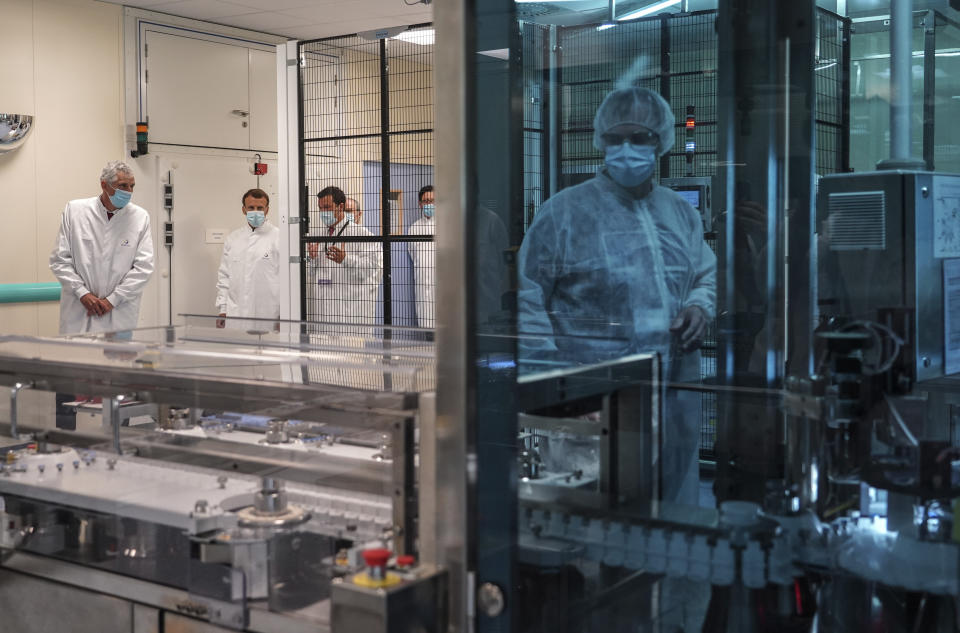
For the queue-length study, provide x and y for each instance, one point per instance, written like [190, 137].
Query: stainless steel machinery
[273, 463]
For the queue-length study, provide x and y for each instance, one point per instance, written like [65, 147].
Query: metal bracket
[293, 219]
[295, 259]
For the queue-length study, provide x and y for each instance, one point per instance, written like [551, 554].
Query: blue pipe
[26, 293]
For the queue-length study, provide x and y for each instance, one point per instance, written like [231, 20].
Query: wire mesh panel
[591, 61]
[367, 133]
[693, 90]
[535, 56]
[832, 96]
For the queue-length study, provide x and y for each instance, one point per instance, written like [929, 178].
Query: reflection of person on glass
[623, 261]
[248, 280]
[347, 273]
[423, 256]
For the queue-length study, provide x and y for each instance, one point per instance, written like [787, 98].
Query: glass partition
[714, 392]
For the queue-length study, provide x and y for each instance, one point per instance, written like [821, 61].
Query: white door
[198, 92]
[207, 193]
[263, 101]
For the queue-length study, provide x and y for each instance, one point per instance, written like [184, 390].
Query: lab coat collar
[102, 208]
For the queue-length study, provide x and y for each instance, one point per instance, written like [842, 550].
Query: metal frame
[929, 85]
[454, 469]
[257, 617]
[385, 239]
[629, 394]
[294, 400]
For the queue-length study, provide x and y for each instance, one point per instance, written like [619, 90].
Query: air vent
[858, 221]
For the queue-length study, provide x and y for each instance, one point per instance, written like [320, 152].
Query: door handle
[242, 113]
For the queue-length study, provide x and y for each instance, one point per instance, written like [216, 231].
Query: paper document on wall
[946, 217]
[951, 316]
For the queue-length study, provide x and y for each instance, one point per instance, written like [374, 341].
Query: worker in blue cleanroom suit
[618, 265]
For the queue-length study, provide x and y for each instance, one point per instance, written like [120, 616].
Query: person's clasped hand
[336, 254]
[95, 305]
[690, 325]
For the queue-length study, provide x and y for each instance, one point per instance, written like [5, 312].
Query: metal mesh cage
[832, 95]
[367, 129]
[536, 68]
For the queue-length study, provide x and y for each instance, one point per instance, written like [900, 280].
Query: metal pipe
[901, 60]
[29, 292]
[14, 408]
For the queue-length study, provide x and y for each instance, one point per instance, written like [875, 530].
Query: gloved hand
[690, 325]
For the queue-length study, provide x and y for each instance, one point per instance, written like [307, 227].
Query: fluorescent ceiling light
[544, 1]
[604, 27]
[650, 9]
[423, 37]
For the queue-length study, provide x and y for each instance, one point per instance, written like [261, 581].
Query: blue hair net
[635, 105]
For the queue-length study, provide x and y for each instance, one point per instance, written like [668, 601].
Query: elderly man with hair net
[618, 265]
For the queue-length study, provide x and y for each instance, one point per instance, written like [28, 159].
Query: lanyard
[342, 228]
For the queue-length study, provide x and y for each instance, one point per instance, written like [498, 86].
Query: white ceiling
[297, 19]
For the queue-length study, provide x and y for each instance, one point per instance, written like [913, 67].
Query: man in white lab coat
[248, 281]
[347, 274]
[103, 257]
[423, 255]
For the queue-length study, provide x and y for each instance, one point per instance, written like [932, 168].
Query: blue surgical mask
[120, 198]
[328, 218]
[428, 210]
[255, 218]
[630, 165]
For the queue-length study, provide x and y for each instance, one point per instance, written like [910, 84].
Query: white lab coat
[113, 259]
[248, 281]
[423, 255]
[347, 292]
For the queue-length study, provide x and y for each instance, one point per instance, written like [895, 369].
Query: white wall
[63, 61]
[60, 60]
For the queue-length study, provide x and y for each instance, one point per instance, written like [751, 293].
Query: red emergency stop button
[405, 561]
[376, 557]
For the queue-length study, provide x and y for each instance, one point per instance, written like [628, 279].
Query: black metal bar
[350, 137]
[386, 223]
[546, 104]
[665, 80]
[340, 37]
[302, 202]
[929, 86]
[845, 95]
[365, 239]
[386, 219]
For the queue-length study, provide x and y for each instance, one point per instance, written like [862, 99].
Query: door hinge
[146, 50]
[294, 219]
[146, 76]
[295, 259]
